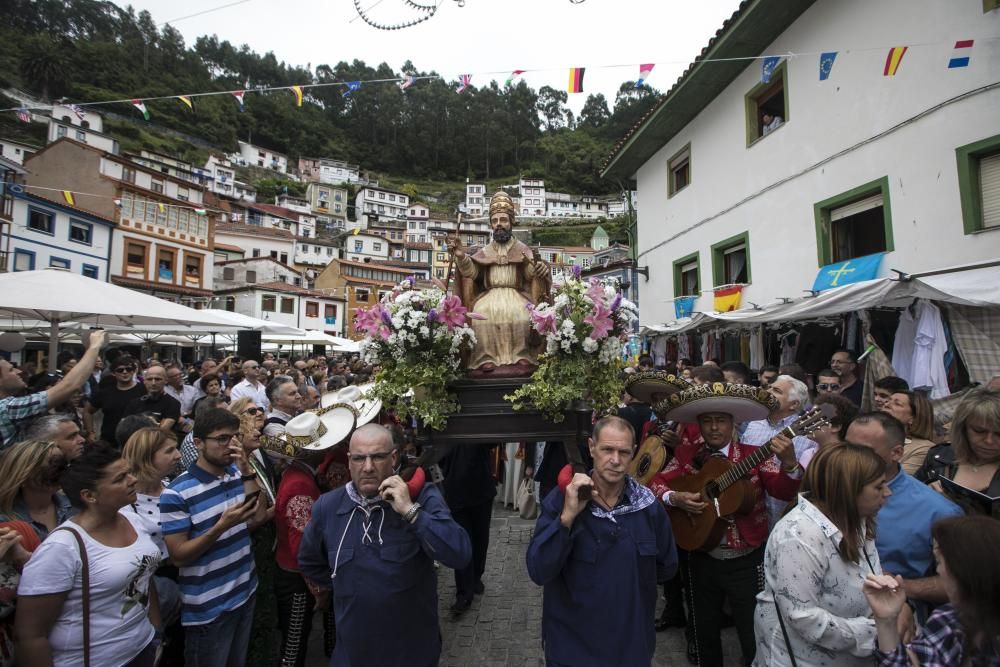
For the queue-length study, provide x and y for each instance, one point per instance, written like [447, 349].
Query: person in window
[972, 460]
[812, 610]
[124, 610]
[769, 123]
[966, 631]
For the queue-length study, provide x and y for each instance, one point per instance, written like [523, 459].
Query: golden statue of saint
[498, 282]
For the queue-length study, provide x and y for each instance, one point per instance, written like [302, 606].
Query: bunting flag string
[644, 71]
[463, 83]
[69, 198]
[23, 115]
[75, 108]
[960, 58]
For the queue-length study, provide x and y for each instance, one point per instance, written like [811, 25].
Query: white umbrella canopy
[307, 337]
[233, 323]
[57, 295]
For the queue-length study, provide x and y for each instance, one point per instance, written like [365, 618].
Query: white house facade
[861, 162]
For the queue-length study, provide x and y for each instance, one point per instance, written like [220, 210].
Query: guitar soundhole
[644, 464]
[712, 490]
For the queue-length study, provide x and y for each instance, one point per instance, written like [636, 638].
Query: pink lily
[600, 321]
[544, 321]
[451, 312]
[595, 291]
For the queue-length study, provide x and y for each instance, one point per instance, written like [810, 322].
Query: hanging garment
[789, 347]
[757, 348]
[745, 348]
[659, 351]
[922, 344]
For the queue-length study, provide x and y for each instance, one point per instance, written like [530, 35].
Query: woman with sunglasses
[112, 399]
[119, 627]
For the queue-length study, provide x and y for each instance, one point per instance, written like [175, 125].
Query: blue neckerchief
[635, 497]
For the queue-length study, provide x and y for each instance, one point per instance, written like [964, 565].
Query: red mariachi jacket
[744, 531]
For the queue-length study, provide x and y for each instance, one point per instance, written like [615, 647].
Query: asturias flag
[728, 298]
[844, 273]
[683, 305]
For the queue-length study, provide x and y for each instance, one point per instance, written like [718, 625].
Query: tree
[594, 113]
[551, 105]
[44, 63]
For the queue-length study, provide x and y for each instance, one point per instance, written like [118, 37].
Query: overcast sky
[487, 38]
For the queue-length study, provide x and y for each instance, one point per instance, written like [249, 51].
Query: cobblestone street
[503, 627]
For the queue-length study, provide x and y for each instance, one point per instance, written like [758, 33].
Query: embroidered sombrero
[315, 430]
[354, 395]
[652, 386]
[743, 402]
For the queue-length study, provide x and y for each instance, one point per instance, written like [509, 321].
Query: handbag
[527, 507]
[781, 622]
[85, 594]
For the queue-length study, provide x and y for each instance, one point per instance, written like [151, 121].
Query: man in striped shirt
[206, 515]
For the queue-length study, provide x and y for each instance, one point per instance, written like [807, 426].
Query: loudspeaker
[248, 345]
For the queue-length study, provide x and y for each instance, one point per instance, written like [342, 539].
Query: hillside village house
[329, 204]
[162, 245]
[328, 171]
[263, 158]
[82, 125]
[365, 247]
[373, 205]
[16, 151]
[258, 241]
[361, 284]
[861, 163]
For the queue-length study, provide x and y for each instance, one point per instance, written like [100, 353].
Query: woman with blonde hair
[916, 414]
[29, 486]
[972, 461]
[812, 610]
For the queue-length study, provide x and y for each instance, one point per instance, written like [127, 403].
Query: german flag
[576, 79]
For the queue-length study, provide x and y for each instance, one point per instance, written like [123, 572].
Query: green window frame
[990, 5]
[680, 159]
[969, 189]
[763, 91]
[821, 210]
[678, 265]
[719, 257]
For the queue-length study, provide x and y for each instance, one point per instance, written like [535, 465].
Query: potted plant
[584, 327]
[416, 337]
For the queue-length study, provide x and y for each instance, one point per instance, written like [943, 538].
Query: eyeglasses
[224, 438]
[121, 369]
[252, 411]
[378, 457]
[828, 387]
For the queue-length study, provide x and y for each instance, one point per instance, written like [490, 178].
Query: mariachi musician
[731, 568]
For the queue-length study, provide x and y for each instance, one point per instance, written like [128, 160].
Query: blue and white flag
[767, 68]
[844, 273]
[683, 306]
[352, 86]
[826, 64]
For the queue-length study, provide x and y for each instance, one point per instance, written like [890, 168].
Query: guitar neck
[739, 470]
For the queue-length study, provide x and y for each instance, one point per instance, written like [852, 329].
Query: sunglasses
[124, 368]
[252, 411]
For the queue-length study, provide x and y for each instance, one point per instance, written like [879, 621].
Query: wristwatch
[412, 512]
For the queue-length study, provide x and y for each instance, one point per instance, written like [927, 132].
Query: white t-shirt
[119, 594]
[147, 508]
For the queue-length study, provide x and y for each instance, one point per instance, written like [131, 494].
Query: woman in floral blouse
[966, 631]
[812, 611]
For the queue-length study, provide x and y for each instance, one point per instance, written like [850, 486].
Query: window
[305, 248]
[731, 261]
[329, 252]
[439, 272]
[377, 247]
[979, 184]
[60, 131]
[440, 257]
[81, 232]
[361, 294]
[268, 303]
[128, 174]
[192, 268]
[229, 273]
[305, 233]
[165, 265]
[81, 136]
[284, 258]
[182, 194]
[679, 167]
[312, 309]
[392, 197]
[41, 221]
[251, 276]
[288, 305]
[855, 223]
[767, 105]
[274, 254]
[24, 260]
[256, 252]
[89, 271]
[135, 259]
[686, 271]
[59, 263]
[381, 195]
[359, 246]
[330, 313]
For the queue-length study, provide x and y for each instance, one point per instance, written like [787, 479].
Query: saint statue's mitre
[502, 203]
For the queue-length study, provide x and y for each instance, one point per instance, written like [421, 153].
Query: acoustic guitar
[722, 485]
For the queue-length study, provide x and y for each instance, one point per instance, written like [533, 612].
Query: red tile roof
[135, 283]
[278, 211]
[252, 230]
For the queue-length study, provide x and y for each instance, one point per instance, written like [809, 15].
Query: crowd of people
[206, 515]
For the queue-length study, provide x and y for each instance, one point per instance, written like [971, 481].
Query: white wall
[58, 245]
[264, 245]
[362, 246]
[728, 193]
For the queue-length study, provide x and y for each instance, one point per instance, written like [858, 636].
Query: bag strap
[85, 596]
[784, 632]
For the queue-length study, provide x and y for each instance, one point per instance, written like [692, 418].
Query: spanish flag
[186, 99]
[576, 79]
[297, 91]
[728, 298]
[892, 60]
[68, 196]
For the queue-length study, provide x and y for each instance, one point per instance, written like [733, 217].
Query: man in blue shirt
[903, 537]
[600, 560]
[377, 547]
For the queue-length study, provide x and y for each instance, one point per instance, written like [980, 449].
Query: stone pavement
[503, 627]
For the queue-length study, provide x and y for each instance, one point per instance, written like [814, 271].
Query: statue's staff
[451, 261]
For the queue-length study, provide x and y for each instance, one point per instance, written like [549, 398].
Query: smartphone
[251, 497]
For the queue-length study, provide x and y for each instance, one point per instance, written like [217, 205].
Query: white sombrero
[743, 402]
[313, 431]
[354, 395]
